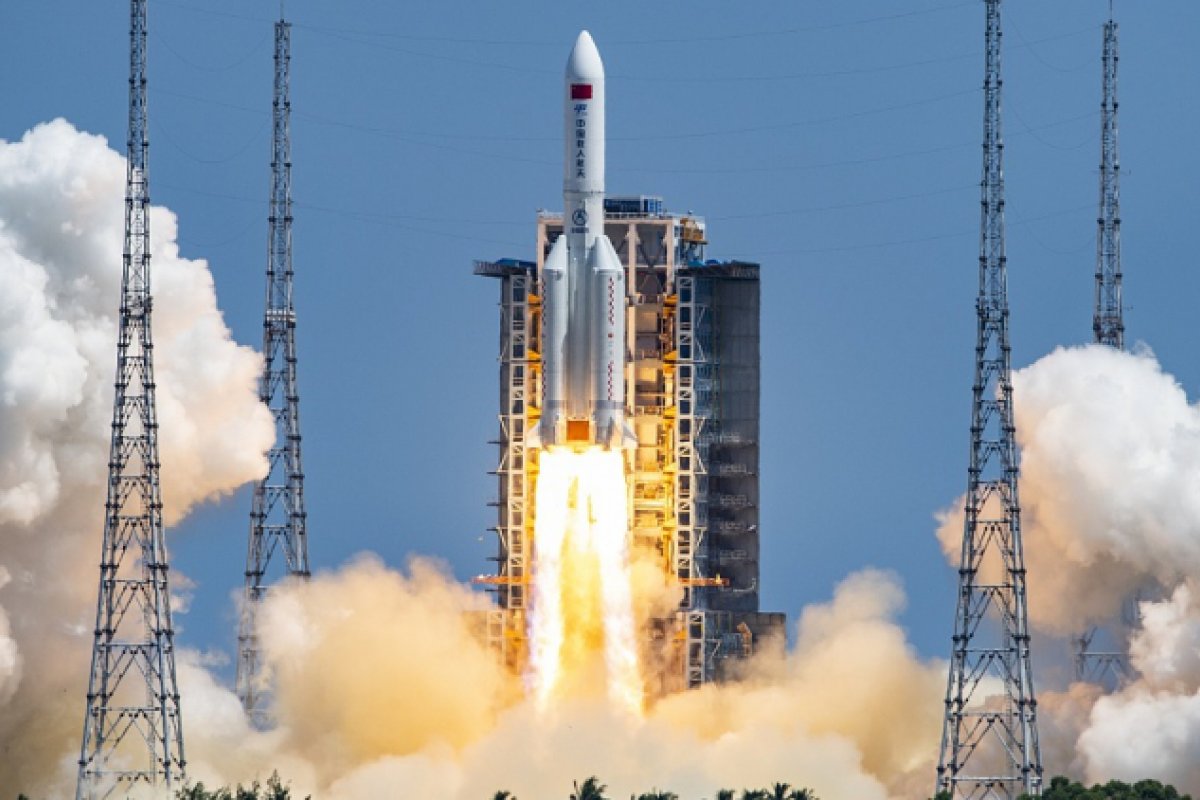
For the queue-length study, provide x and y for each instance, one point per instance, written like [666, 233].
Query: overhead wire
[1026, 45]
[1026, 128]
[256, 50]
[657, 77]
[439, 39]
[257, 136]
[416, 137]
[908, 241]
[845, 206]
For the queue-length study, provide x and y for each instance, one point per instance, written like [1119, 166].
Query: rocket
[583, 283]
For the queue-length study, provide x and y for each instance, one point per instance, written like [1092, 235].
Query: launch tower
[989, 744]
[277, 516]
[692, 396]
[132, 731]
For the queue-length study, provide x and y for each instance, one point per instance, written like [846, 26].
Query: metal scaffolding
[691, 486]
[519, 372]
[989, 743]
[692, 383]
[132, 731]
[692, 399]
[277, 516]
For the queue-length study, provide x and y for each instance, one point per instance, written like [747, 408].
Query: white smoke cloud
[1152, 727]
[1166, 649]
[1110, 452]
[61, 231]
[1138, 733]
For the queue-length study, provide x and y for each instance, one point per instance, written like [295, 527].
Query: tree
[654, 794]
[1062, 788]
[592, 789]
[198, 792]
[755, 794]
[725, 794]
[504, 794]
[275, 789]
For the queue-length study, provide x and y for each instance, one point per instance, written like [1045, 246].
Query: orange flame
[582, 623]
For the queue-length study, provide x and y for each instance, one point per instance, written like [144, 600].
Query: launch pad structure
[692, 397]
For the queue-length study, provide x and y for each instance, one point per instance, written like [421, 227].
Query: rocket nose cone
[584, 64]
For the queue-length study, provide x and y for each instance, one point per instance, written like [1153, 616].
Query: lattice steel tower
[989, 743]
[277, 516]
[132, 731]
[1108, 324]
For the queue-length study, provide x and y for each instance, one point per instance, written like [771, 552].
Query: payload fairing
[583, 333]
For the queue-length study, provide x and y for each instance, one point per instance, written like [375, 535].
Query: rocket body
[583, 283]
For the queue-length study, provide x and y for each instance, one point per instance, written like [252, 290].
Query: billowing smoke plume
[382, 684]
[61, 229]
[1110, 451]
[1110, 465]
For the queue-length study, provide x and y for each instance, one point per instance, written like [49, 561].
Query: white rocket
[583, 283]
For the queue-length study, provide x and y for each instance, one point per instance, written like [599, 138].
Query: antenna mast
[277, 516]
[989, 745]
[132, 731]
[1108, 323]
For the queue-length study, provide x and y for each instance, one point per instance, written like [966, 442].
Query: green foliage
[592, 789]
[784, 791]
[779, 791]
[504, 794]
[1061, 788]
[275, 789]
[654, 794]
[725, 794]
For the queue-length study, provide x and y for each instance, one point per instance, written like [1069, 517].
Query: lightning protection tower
[1111, 666]
[989, 736]
[277, 516]
[132, 731]
[1108, 323]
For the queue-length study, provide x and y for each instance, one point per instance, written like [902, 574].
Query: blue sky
[836, 143]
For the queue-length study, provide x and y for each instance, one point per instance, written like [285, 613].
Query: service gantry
[277, 516]
[1107, 666]
[989, 737]
[692, 398]
[132, 730]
